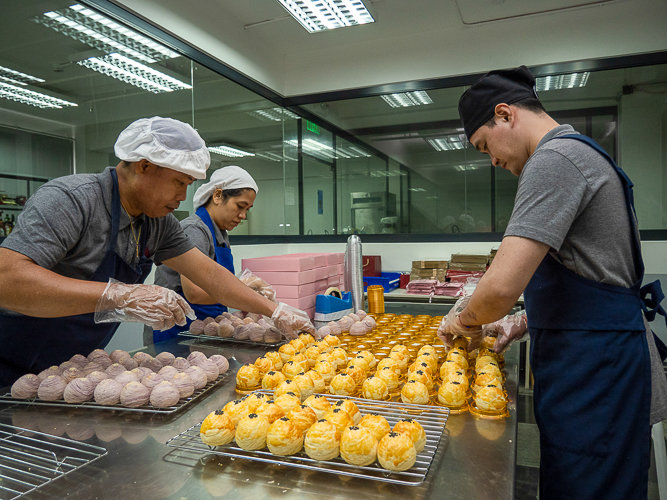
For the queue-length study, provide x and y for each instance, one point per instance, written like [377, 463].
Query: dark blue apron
[30, 345]
[223, 256]
[592, 370]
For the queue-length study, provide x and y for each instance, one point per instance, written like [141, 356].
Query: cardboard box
[294, 291]
[302, 303]
[430, 264]
[467, 266]
[321, 285]
[468, 258]
[288, 278]
[279, 263]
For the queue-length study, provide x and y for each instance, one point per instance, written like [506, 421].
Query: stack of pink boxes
[299, 277]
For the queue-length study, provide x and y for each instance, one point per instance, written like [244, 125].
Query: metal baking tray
[7, 398]
[231, 340]
[432, 418]
[30, 459]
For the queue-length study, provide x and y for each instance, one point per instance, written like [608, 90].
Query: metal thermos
[354, 280]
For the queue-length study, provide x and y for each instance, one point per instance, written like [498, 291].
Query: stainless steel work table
[475, 459]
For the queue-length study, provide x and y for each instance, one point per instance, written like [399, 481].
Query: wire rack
[231, 340]
[30, 459]
[433, 419]
[7, 398]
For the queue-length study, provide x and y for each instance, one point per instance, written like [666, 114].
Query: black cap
[477, 104]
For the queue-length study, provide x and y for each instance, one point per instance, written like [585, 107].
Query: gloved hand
[511, 328]
[291, 321]
[152, 305]
[258, 284]
[451, 327]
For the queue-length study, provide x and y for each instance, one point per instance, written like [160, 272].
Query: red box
[403, 280]
[372, 265]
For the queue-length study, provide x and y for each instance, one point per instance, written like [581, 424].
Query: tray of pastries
[383, 441]
[252, 329]
[118, 381]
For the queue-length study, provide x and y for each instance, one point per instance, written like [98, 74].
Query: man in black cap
[572, 247]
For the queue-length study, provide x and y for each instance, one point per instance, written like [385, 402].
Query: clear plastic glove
[451, 327]
[291, 321]
[511, 328]
[258, 284]
[152, 305]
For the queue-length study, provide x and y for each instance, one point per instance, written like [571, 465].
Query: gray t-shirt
[570, 198]
[66, 225]
[198, 233]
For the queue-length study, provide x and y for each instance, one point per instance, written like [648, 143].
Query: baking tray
[432, 418]
[30, 459]
[210, 339]
[7, 398]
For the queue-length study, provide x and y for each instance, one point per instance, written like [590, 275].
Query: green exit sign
[312, 127]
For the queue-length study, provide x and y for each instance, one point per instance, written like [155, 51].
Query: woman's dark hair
[529, 104]
[230, 193]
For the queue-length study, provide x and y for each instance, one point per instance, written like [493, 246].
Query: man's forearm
[29, 289]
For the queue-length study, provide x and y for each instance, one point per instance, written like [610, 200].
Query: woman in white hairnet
[220, 205]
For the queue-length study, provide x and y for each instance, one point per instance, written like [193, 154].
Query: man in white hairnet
[74, 265]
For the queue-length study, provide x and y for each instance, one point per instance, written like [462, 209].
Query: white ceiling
[411, 40]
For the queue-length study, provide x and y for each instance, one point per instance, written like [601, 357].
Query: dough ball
[134, 394]
[257, 333]
[197, 327]
[376, 424]
[166, 358]
[272, 380]
[375, 388]
[164, 395]
[251, 432]
[97, 377]
[26, 387]
[181, 364]
[115, 369]
[354, 317]
[370, 322]
[53, 370]
[361, 313]
[168, 372]
[93, 367]
[196, 357]
[208, 321]
[221, 362]
[212, 329]
[211, 370]
[415, 392]
[272, 336]
[198, 376]
[322, 441]
[151, 363]
[184, 384]
[140, 357]
[151, 380]
[334, 328]
[217, 429]
[68, 364]
[126, 377]
[345, 323]
[358, 446]
[71, 373]
[78, 391]
[51, 388]
[101, 358]
[79, 359]
[284, 437]
[324, 331]
[396, 452]
[128, 363]
[107, 392]
[242, 332]
[117, 354]
[413, 429]
[226, 330]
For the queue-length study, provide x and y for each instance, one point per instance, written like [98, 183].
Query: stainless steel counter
[476, 458]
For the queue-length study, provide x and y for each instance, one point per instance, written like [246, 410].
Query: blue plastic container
[327, 304]
[388, 281]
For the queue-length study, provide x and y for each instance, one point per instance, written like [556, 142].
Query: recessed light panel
[17, 78]
[25, 96]
[406, 99]
[557, 82]
[231, 152]
[323, 15]
[448, 143]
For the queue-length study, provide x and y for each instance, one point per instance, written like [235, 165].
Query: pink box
[294, 291]
[279, 263]
[311, 312]
[302, 302]
[321, 273]
[341, 269]
[320, 259]
[333, 281]
[280, 278]
[321, 285]
[333, 270]
[332, 258]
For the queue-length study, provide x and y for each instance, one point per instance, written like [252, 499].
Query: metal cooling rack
[433, 419]
[231, 340]
[30, 459]
[7, 398]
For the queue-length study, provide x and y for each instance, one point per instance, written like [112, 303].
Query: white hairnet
[165, 142]
[231, 177]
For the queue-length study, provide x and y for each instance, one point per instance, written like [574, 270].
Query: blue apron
[223, 256]
[592, 369]
[30, 345]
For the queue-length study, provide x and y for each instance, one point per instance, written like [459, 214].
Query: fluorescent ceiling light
[126, 70]
[25, 96]
[449, 142]
[406, 99]
[17, 78]
[558, 82]
[418, 190]
[317, 149]
[231, 152]
[387, 173]
[322, 15]
[274, 115]
[96, 30]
